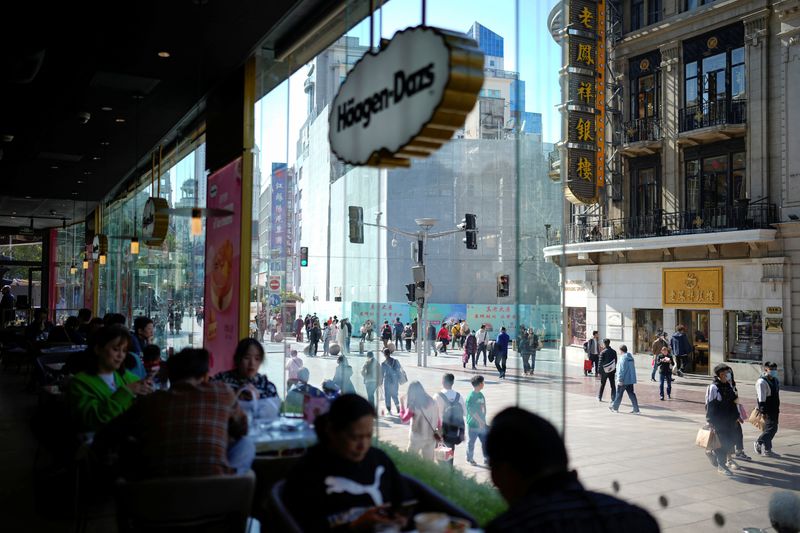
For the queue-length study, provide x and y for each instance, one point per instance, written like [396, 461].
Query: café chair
[279, 516]
[46, 375]
[204, 503]
[268, 471]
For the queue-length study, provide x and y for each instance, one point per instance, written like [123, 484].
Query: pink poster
[222, 266]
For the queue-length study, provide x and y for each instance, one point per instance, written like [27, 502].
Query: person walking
[681, 348]
[665, 365]
[722, 415]
[528, 343]
[418, 407]
[769, 403]
[455, 334]
[343, 375]
[452, 409]
[738, 444]
[414, 332]
[369, 372]
[398, 335]
[386, 333]
[659, 342]
[476, 418]
[444, 337]
[501, 352]
[430, 336]
[607, 365]
[626, 379]
[390, 377]
[592, 349]
[480, 337]
[314, 336]
[470, 350]
[408, 336]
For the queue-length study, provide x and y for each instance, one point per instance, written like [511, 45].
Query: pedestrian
[298, 329]
[470, 350]
[398, 334]
[738, 444]
[655, 349]
[501, 352]
[414, 332]
[722, 415]
[607, 364]
[293, 366]
[527, 348]
[314, 336]
[665, 365]
[343, 375]
[769, 403]
[452, 409]
[476, 419]
[408, 336]
[444, 337]
[455, 334]
[431, 338]
[326, 339]
[626, 379]
[345, 332]
[386, 333]
[592, 349]
[681, 348]
[530, 467]
[369, 371]
[480, 336]
[420, 409]
[390, 377]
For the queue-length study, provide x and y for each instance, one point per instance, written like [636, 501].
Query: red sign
[274, 284]
[221, 332]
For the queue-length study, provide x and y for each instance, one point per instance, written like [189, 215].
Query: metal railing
[643, 129]
[713, 113]
[742, 215]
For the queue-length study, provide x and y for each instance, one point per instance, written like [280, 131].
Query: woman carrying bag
[419, 408]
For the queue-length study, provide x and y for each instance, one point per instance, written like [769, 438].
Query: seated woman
[244, 378]
[104, 390]
[342, 483]
[67, 332]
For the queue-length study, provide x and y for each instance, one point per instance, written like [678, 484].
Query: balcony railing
[643, 129]
[743, 215]
[713, 113]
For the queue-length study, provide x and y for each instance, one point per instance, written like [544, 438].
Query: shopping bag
[707, 438]
[757, 419]
[465, 357]
[742, 412]
[442, 452]
[587, 365]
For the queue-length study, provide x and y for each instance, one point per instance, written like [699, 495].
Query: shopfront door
[697, 329]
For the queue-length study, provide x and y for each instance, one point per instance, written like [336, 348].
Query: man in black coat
[607, 366]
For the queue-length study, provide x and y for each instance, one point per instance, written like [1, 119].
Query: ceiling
[85, 97]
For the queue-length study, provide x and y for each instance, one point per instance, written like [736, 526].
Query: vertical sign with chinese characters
[279, 243]
[585, 105]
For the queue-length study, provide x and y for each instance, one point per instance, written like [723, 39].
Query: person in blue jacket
[501, 352]
[626, 379]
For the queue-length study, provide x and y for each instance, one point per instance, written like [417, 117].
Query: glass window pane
[691, 69]
[737, 56]
[744, 335]
[648, 324]
[738, 81]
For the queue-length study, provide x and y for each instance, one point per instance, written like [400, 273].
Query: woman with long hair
[245, 380]
[424, 432]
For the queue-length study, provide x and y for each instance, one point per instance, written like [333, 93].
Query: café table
[282, 437]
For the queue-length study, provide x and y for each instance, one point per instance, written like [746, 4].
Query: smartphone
[405, 509]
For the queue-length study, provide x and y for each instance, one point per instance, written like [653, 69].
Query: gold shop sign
[698, 288]
[774, 310]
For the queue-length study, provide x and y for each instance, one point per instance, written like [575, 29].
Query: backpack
[452, 420]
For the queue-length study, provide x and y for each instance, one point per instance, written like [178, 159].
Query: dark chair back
[428, 500]
[268, 470]
[203, 503]
[46, 375]
[280, 517]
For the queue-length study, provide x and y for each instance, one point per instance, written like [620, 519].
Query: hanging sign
[585, 100]
[155, 221]
[407, 99]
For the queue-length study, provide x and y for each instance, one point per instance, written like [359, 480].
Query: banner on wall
[378, 312]
[222, 266]
[438, 313]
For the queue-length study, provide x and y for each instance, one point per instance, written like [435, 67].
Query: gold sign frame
[692, 288]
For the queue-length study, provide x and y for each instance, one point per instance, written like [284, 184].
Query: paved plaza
[650, 458]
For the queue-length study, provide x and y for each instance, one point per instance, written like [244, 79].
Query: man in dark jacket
[769, 403]
[593, 349]
[314, 336]
[398, 334]
[681, 348]
[722, 415]
[529, 466]
[501, 352]
[607, 365]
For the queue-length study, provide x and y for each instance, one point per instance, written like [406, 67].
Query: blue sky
[522, 24]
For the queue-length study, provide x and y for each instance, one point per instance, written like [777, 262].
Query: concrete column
[757, 80]
[670, 105]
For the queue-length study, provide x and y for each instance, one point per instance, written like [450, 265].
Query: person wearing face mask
[722, 415]
[105, 390]
[769, 403]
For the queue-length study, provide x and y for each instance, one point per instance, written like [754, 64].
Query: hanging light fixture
[102, 258]
[134, 246]
[135, 238]
[85, 261]
[72, 268]
[197, 222]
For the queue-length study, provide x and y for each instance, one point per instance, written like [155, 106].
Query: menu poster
[222, 266]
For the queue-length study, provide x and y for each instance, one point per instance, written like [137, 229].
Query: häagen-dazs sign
[407, 99]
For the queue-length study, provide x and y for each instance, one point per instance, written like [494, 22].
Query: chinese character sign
[585, 135]
[378, 312]
[279, 240]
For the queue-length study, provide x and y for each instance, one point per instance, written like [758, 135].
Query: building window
[653, 11]
[576, 325]
[693, 4]
[715, 180]
[637, 14]
[743, 335]
[648, 323]
[646, 197]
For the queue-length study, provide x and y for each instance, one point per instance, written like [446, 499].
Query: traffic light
[356, 215]
[304, 256]
[503, 285]
[410, 292]
[470, 223]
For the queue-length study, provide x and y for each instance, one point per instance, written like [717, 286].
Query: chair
[46, 375]
[280, 517]
[268, 471]
[205, 503]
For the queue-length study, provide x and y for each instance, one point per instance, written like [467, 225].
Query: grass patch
[481, 500]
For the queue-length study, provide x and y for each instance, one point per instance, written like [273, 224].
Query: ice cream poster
[222, 266]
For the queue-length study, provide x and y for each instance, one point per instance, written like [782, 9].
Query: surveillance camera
[462, 226]
[83, 116]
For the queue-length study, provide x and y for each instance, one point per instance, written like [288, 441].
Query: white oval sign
[384, 110]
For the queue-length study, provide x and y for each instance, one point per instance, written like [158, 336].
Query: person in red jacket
[444, 337]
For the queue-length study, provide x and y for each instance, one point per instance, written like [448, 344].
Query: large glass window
[648, 323]
[576, 325]
[743, 335]
[715, 71]
[715, 182]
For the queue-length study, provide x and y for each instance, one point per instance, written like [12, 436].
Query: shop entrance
[697, 329]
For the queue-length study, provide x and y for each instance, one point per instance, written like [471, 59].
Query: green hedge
[481, 500]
